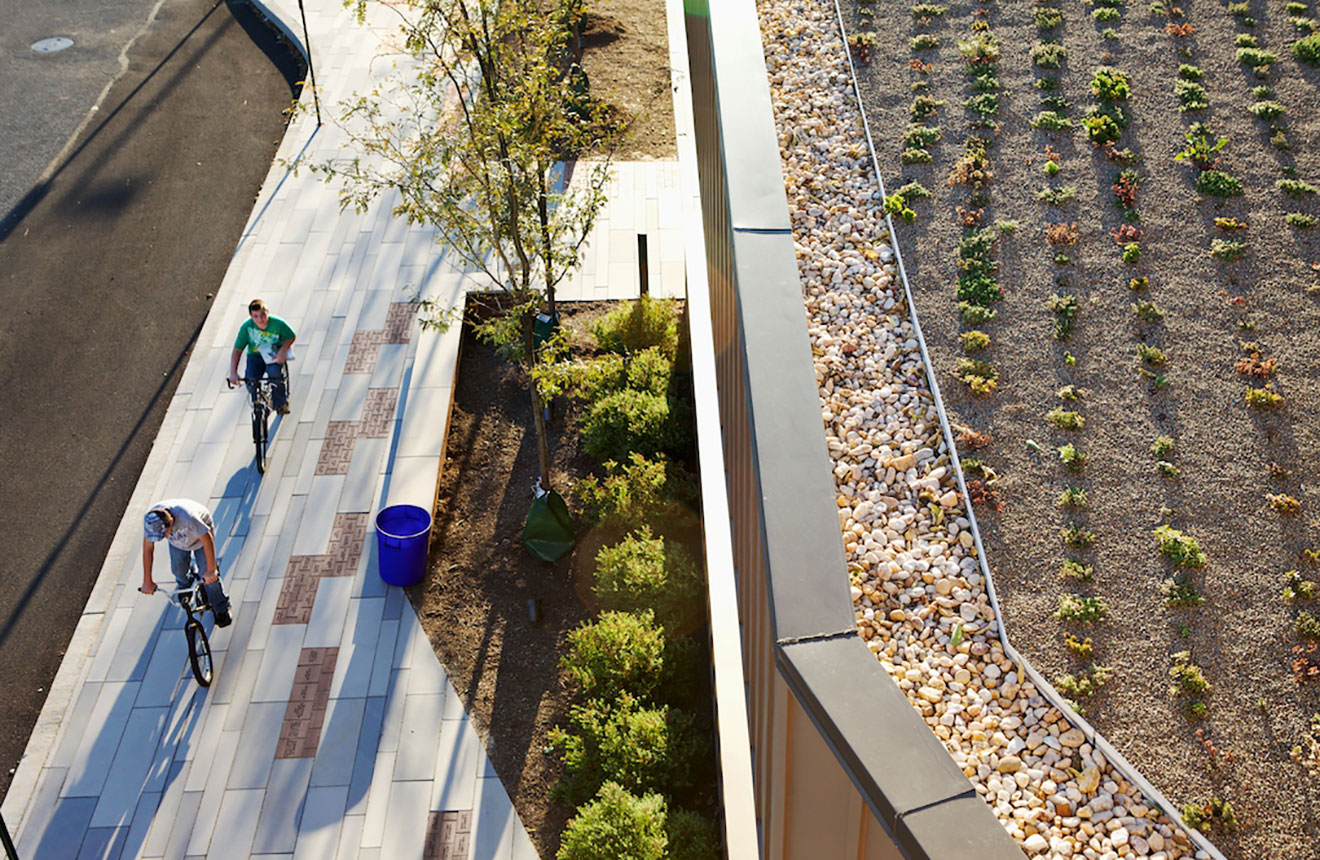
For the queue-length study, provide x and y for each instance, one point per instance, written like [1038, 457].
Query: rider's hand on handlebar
[149, 588]
[232, 379]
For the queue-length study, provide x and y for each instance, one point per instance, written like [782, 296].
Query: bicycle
[262, 409]
[194, 603]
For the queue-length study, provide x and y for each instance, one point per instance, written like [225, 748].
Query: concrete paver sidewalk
[331, 730]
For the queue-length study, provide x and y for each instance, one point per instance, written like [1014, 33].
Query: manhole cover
[52, 45]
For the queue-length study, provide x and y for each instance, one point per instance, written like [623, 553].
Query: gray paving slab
[318, 515]
[458, 757]
[407, 809]
[236, 824]
[395, 701]
[494, 821]
[103, 843]
[168, 811]
[100, 741]
[357, 649]
[180, 827]
[128, 772]
[277, 830]
[251, 763]
[350, 836]
[378, 799]
[208, 810]
[382, 664]
[362, 483]
[318, 832]
[325, 628]
[277, 671]
[135, 840]
[337, 751]
[203, 753]
[418, 738]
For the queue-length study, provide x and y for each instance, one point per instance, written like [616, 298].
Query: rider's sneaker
[223, 619]
[284, 409]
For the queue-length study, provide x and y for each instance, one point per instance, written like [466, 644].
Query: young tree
[477, 136]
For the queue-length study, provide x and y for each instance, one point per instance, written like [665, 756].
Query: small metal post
[311, 71]
[11, 853]
[642, 270]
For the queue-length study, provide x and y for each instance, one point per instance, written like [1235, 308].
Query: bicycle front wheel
[259, 436]
[199, 652]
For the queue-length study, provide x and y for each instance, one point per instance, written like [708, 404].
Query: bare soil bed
[1243, 632]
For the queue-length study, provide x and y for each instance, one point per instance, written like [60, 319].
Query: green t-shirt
[265, 342]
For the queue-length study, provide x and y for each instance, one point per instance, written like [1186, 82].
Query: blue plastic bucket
[401, 535]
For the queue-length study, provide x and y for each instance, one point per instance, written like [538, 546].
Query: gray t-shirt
[191, 521]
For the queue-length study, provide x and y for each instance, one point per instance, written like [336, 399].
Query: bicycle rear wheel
[259, 434]
[199, 652]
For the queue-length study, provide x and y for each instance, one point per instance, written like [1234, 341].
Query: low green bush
[619, 652]
[641, 748]
[1267, 110]
[616, 825]
[639, 491]
[645, 572]
[1217, 183]
[1307, 49]
[1051, 121]
[918, 135]
[638, 325]
[625, 422]
[692, 837]
[1048, 55]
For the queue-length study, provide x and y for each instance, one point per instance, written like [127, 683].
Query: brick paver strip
[303, 574]
[448, 834]
[398, 322]
[378, 412]
[362, 354]
[305, 714]
[337, 448]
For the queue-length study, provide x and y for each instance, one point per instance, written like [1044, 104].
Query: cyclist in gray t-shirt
[188, 527]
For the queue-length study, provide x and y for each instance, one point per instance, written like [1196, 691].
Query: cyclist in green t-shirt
[267, 339]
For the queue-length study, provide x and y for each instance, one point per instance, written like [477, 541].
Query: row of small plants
[635, 754]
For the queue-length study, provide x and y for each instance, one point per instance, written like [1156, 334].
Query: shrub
[1140, 283]
[975, 314]
[1081, 647]
[1192, 95]
[1283, 503]
[1255, 57]
[1217, 183]
[1189, 679]
[1087, 610]
[1307, 625]
[978, 286]
[1296, 8]
[1051, 121]
[1150, 354]
[1267, 110]
[1076, 536]
[1065, 311]
[1181, 549]
[1101, 129]
[639, 325]
[1048, 55]
[980, 50]
[925, 42]
[1084, 684]
[1300, 220]
[980, 376]
[622, 741]
[1303, 25]
[1056, 196]
[915, 156]
[1148, 312]
[1047, 18]
[1199, 150]
[1307, 49]
[619, 652]
[927, 10]
[1180, 592]
[643, 572]
[1073, 460]
[639, 492]
[1064, 419]
[1262, 398]
[616, 824]
[918, 135]
[1189, 72]
[1006, 226]
[1131, 252]
[1061, 234]
[913, 191]
[691, 836]
[972, 167]
[1295, 187]
[1104, 14]
[1245, 40]
[974, 341]
[1162, 447]
[1073, 497]
[1228, 250]
[629, 421]
[984, 104]
[1110, 85]
[1073, 569]
[924, 106]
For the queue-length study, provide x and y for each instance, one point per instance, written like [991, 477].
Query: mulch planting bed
[1219, 480]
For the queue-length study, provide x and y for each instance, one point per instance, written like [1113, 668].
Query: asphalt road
[106, 272]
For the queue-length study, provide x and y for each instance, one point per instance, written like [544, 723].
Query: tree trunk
[538, 411]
